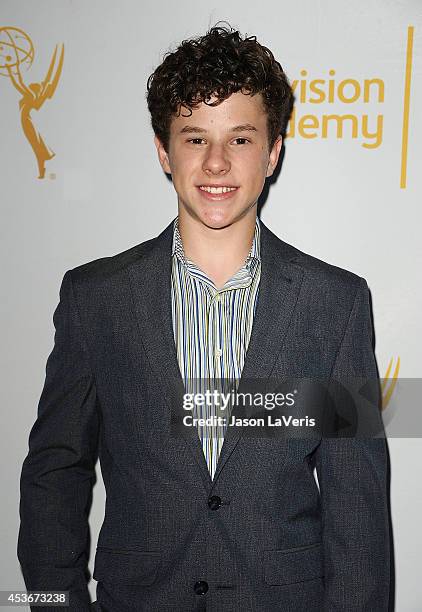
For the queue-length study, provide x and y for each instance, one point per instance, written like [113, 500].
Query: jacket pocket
[129, 567]
[293, 565]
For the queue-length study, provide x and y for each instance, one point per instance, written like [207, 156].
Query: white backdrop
[337, 198]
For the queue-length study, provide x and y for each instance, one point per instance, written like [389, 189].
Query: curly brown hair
[218, 64]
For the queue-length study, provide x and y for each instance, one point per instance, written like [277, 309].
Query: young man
[205, 521]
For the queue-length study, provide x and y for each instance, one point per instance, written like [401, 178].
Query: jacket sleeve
[59, 469]
[352, 474]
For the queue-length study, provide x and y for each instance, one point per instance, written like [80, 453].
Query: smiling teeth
[217, 189]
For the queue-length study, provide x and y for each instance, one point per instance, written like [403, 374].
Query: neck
[221, 252]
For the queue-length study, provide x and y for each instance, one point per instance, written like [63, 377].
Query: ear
[162, 155]
[274, 155]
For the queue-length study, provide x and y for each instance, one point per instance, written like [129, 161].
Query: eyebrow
[245, 127]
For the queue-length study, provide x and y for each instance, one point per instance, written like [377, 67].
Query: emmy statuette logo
[388, 384]
[16, 54]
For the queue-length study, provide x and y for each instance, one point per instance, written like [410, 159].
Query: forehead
[237, 109]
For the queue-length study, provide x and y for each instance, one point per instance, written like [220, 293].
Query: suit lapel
[150, 281]
[279, 289]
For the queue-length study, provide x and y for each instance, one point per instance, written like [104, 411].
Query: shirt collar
[252, 259]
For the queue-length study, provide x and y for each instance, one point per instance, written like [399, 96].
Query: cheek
[182, 163]
[254, 166]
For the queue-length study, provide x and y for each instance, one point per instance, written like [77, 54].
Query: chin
[217, 220]
[214, 216]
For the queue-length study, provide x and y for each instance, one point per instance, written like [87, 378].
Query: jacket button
[200, 587]
[214, 502]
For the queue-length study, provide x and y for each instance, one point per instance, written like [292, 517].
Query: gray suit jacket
[274, 541]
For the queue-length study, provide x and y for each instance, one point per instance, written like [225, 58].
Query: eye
[242, 140]
[195, 140]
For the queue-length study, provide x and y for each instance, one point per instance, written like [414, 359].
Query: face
[218, 158]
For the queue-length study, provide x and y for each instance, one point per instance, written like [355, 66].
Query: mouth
[217, 192]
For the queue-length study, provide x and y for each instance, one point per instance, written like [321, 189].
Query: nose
[216, 161]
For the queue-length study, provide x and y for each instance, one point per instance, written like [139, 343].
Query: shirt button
[218, 352]
[200, 587]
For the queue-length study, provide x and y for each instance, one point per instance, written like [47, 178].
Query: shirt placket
[215, 360]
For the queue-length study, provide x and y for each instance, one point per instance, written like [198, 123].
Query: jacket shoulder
[327, 273]
[317, 270]
[324, 282]
[105, 268]
[331, 292]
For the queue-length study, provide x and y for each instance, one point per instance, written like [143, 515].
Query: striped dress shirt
[212, 329]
